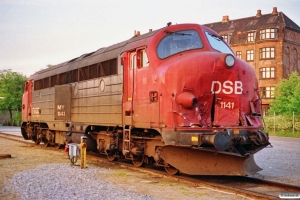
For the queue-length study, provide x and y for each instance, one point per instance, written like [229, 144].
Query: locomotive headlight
[229, 60]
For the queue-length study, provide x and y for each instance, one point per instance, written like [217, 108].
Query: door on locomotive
[138, 97]
[26, 101]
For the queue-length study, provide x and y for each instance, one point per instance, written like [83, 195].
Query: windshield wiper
[215, 36]
[176, 33]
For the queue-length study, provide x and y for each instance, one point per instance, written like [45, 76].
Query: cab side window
[139, 59]
[144, 62]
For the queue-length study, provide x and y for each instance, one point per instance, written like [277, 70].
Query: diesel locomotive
[176, 97]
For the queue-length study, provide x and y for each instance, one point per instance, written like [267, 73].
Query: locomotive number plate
[229, 105]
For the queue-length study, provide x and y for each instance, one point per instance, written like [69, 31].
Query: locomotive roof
[102, 54]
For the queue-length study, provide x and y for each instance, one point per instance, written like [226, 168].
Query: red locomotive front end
[209, 104]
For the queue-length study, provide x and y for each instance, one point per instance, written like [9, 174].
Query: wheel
[138, 161]
[171, 170]
[37, 141]
[111, 157]
[46, 143]
[58, 146]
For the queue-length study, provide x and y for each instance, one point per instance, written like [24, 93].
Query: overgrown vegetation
[11, 92]
[287, 96]
[282, 125]
[284, 115]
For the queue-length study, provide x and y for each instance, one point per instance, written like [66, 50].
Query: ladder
[126, 140]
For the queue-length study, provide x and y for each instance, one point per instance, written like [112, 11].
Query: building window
[239, 54]
[267, 92]
[266, 53]
[226, 38]
[251, 37]
[250, 55]
[270, 33]
[267, 72]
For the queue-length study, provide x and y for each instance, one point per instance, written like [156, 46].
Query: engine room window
[180, 41]
[217, 43]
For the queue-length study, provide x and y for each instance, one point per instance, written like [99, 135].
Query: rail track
[247, 187]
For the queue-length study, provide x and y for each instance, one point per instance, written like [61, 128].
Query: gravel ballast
[60, 181]
[39, 173]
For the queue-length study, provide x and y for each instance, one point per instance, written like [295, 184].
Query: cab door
[27, 101]
[128, 60]
[140, 106]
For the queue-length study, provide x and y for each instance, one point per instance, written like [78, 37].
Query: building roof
[240, 27]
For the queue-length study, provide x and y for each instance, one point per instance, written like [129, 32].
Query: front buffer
[201, 162]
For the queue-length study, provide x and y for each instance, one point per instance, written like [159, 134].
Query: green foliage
[282, 125]
[14, 121]
[11, 89]
[287, 96]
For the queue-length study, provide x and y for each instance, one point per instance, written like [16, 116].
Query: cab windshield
[217, 43]
[180, 41]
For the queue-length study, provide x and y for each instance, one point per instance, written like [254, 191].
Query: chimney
[258, 14]
[274, 11]
[225, 18]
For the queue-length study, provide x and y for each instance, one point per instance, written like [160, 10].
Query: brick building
[270, 43]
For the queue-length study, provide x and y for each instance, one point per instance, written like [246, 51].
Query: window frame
[251, 36]
[239, 54]
[267, 92]
[226, 38]
[267, 72]
[167, 46]
[250, 53]
[267, 53]
[268, 33]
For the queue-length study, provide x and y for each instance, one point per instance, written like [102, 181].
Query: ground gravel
[60, 181]
[40, 173]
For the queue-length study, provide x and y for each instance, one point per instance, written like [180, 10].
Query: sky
[35, 33]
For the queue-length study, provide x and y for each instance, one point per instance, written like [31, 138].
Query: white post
[293, 122]
[274, 123]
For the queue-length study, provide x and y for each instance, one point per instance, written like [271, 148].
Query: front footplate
[199, 162]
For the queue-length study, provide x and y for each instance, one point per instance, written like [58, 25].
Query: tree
[287, 96]
[11, 91]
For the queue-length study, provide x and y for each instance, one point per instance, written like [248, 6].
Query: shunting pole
[83, 152]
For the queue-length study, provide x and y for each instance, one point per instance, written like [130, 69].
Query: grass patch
[166, 184]
[284, 133]
[120, 174]
[283, 125]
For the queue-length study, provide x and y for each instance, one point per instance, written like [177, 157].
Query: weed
[120, 174]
